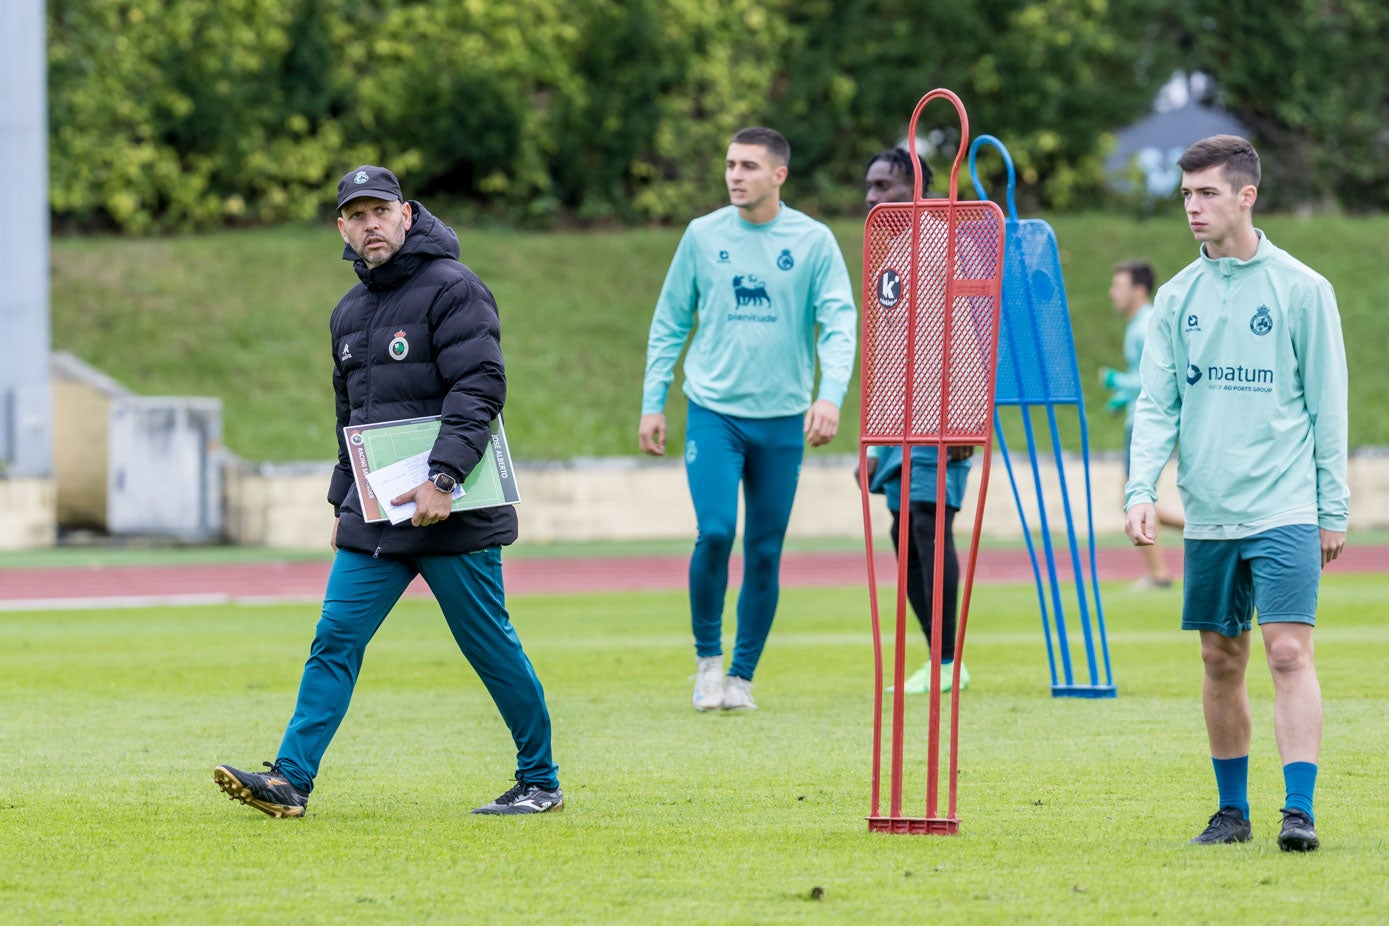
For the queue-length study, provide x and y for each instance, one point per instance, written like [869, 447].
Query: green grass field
[243, 316]
[1072, 811]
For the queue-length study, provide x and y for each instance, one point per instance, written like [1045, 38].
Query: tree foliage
[175, 114]
[1049, 77]
[1311, 80]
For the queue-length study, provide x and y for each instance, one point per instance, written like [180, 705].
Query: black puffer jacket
[452, 366]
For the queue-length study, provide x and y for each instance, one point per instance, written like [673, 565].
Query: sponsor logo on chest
[1242, 373]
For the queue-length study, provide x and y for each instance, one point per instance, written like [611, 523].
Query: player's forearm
[835, 351]
[1154, 436]
[663, 348]
[1326, 393]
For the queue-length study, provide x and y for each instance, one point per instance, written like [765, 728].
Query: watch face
[444, 482]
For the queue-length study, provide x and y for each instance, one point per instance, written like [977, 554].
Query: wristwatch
[443, 482]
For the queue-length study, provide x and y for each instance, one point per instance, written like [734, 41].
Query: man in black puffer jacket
[418, 336]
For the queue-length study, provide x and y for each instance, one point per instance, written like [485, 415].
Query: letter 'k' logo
[889, 288]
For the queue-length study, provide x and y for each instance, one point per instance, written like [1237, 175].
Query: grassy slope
[243, 315]
[1072, 811]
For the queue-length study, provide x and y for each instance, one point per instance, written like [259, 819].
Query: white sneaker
[736, 696]
[919, 682]
[708, 689]
[947, 677]
[1148, 584]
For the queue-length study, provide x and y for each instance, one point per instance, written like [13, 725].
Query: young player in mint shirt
[1125, 383]
[1131, 292]
[766, 292]
[1245, 371]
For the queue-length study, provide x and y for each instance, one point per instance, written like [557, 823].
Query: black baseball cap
[377, 182]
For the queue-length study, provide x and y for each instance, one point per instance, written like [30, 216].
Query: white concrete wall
[628, 499]
[82, 397]
[28, 514]
[165, 474]
[282, 506]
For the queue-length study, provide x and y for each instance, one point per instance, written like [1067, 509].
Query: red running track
[116, 586]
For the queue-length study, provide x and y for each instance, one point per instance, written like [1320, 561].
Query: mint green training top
[759, 293]
[1244, 369]
[1127, 382]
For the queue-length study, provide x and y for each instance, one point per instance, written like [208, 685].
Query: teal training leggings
[361, 591]
[764, 454]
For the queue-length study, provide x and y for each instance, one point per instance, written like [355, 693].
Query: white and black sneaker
[737, 696]
[709, 683]
[524, 797]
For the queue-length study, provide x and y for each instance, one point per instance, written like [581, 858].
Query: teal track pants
[764, 455]
[361, 591]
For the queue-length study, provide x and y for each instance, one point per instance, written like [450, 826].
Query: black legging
[921, 568]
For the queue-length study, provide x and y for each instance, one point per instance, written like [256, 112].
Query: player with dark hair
[888, 179]
[1131, 292]
[776, 145]
[770, 293]
[1245, 373]
[418, 336]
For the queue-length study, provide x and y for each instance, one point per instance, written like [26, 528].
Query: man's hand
[1332, 543]
[333, 540]
[821, 423]
[869, 468]
[1140, 523]
[431, 505]
[959, 452]
[651, 434]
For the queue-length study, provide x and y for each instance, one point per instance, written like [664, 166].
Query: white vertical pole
[26, 395]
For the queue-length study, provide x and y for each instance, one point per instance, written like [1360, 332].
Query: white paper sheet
[397, 479]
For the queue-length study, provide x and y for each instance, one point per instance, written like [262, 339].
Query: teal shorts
[1276, 573]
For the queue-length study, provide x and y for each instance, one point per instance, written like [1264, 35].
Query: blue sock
[1301, 781]
[1232, 780]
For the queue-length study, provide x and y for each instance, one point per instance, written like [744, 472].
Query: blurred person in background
[1131, 292]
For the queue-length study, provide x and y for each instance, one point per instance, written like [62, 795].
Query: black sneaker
[525, 798]
[1227, 825]
[268, 792]
[1297, 834]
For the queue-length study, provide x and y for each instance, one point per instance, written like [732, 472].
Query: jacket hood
[428, 239]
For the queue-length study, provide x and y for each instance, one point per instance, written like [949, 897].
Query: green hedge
[185, 114]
